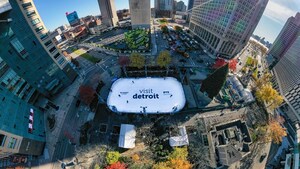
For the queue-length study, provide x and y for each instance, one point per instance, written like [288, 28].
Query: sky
[269, 26]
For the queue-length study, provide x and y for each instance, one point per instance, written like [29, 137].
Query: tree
[270, 96]
[177, 29]
[161, 165]
[112, 157]
[96, 166]
[164, 28]
[164, 59]
[86, 94]
[276, 132]
[263, 80]
[173, 164]
[137, 60]
[232, 64]
[179, 153]
[124, 61]
[219, 63]
[117, 165]
[179, 164]
[135, 157]
[213, 83]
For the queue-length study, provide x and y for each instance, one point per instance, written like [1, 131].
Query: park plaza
[146, 95]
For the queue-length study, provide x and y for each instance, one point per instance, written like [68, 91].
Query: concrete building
[108, 13]
[30, 65]
[225, 26]
[164, 8]
[287, 74]
[140, 13]
[286, 37]
[180, 6]
[123, 14]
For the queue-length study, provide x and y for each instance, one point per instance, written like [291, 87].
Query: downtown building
[225, 26]
[180, 6]
[285, 39]
[287, 76]
[164, 8]
[108, 13]
[73, 18]
[140, 13]
[30, 66]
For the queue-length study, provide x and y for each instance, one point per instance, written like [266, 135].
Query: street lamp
[7, 20]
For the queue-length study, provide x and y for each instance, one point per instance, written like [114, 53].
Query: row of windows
[12, 141]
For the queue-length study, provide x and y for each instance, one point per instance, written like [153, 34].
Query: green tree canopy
[112, 157]
[164, 59]
[213, 83]
[137, 60]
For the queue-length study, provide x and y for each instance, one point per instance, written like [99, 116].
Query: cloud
[279, 11]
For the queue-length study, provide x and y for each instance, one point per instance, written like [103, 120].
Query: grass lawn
[162, 21]
[90, 58]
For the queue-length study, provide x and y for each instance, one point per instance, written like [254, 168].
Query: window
[56, 55]
[19, 48]
[49, 42]
[35, 21]
[39, 29]
[27, 5]
[43, 36]
[52, 49]
[61, 61]
[12, 143]
[2, 139]
[30, 13]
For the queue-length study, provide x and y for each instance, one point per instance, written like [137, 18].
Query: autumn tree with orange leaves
[117, 165]
[276, 132]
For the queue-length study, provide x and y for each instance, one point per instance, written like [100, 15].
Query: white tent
[127, 136]
[180, 140]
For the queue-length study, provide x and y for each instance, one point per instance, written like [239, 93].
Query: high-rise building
[287, 74]
[73, 18]
[30, 65]
[180, 6]
[190, 4]
[30, 52]
[286, 37]
[164, 8]
[108, 12]
[225, 26]
[140, 13]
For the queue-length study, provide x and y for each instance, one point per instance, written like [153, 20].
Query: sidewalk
[64, 100]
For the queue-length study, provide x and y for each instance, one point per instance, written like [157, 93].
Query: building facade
[164, 8]
[180, 6]
[30, 65]
[30, 52]
[287, 74]
[140, 13]
[225, 26]
[73, 18]
[108, 12]
[286, 37]
[190, 4]
[22, 129]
